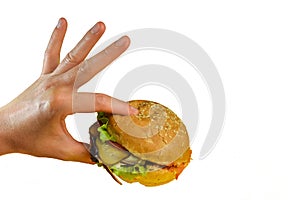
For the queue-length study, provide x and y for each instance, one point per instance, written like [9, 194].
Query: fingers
[89, 68]
[52, 53]
[95, 102]
[81, 50]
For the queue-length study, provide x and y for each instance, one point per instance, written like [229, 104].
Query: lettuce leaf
[103, 133]
[102, 118]
[129, 172]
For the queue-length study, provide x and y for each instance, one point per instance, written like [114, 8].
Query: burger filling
[106, 151]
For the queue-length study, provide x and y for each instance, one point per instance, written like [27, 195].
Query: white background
[255, 46]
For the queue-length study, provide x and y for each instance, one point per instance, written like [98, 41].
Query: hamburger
[151, 148]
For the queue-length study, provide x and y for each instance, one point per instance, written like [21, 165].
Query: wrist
[5, 134]
[4, 145]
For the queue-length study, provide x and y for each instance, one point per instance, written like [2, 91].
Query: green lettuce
[102, 118]
[129, 172]
[104, 134]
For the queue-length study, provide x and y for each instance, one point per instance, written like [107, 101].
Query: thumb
[78, 152]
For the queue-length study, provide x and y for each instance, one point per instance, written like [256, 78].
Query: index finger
[90, 67]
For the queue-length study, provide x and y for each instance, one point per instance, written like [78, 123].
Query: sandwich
[151, 148]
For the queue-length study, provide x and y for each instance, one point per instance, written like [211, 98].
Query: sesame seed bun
[156, 134]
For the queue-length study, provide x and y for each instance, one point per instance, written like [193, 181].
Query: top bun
[156, 134]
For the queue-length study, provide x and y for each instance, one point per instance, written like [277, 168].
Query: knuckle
[45, 83]
[102, 101]
[71, 58]
[52, 95]
[54, 100]
[83, 70]
[84, 67]
[68, 78]
[106, 52]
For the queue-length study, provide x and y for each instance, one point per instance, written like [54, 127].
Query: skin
[34, 122]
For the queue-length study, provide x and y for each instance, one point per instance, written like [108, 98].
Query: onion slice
[117, 145]
[93, 129]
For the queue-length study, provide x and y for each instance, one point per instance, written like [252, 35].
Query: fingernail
[59, 23]
[95, 29]
[121, 41]
[133, 110]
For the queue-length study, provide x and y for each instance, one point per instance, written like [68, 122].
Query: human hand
[34, 122]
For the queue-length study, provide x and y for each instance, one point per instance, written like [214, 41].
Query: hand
[34, 122]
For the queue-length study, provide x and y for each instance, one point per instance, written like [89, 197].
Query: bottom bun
[163, 175]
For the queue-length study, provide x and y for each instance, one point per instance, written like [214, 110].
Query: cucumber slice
[110, 155]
